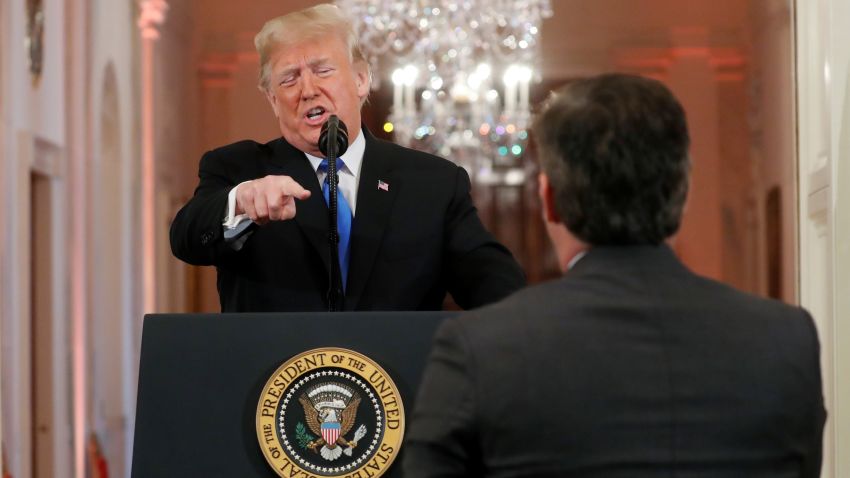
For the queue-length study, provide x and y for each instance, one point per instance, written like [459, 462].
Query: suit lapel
[373, 211]
[311, 215]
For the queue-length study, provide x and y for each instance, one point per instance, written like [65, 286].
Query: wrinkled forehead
[312, 40]
[309, 53]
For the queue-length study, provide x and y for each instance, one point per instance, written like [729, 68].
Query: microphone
[333, 141]
[334, 133]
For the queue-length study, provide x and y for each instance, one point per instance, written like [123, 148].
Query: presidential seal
[330, 412]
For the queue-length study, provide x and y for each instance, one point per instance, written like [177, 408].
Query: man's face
[311, 81]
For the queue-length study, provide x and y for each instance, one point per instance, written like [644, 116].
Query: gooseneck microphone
[334, 133]
[333, 142]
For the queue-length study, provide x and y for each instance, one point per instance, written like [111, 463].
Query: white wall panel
[823, 58]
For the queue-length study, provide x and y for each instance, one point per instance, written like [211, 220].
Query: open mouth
[315, 114]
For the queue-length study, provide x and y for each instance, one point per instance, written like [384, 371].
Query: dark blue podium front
[201, 377]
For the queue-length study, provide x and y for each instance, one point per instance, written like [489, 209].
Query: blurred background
[108, 105]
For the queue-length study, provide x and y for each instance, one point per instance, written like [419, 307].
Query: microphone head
[333, 127]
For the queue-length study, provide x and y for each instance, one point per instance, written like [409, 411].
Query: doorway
[42, 331]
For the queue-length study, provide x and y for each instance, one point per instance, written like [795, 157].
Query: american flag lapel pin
[383, 186]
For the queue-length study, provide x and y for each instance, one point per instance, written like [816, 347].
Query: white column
[152, 16]
[823, 79]
[4, 155]
[840, 98]
[78, 65]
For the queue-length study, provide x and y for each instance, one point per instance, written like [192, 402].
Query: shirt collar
[575, 259]
[353, 157]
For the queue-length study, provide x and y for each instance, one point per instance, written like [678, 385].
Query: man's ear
[272, 100]
[362, 79]
[547, 199]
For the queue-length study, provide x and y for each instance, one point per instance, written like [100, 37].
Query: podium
[201, 377]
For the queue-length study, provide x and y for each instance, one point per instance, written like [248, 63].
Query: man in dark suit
[414, 232]
[629, 365]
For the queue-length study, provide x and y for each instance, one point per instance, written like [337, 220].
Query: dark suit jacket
[409, 244]
[628, 366]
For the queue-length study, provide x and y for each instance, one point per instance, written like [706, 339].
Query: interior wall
[113, 221]
[33, 126]
[4, 155]
[51, 426]
[18, 339]
[77, 59]
[772, 128]
[823, 75]
[176, 129]
[738, 264]
[731, 65]
[816, 208]
[108, 419]
[693, 79]
[42, 426]
[12, 364]
[836, 73]
[708, 67]
[841, 338]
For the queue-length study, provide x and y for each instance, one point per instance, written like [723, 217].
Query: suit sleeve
[480, 270]
[442, 441]
[817, 412]
[197, 234]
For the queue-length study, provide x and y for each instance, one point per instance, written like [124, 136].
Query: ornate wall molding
[35, 38]
[217, 71]
[728, 63]
[152, 16]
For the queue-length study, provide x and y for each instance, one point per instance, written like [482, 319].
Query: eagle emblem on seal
[330, 410]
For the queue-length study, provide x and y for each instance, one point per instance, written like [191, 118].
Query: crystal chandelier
[461, 71]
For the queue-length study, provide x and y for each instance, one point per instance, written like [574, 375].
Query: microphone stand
[335, 293]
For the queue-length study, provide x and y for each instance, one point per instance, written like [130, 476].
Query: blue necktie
[343, 219]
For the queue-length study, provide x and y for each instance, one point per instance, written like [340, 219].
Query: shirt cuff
[231, 220]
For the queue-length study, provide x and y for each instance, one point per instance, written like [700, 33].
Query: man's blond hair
[304, 25]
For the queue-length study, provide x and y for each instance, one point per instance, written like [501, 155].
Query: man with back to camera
[414, 232]
[629, 365]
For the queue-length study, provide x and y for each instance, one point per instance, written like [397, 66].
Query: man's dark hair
[615, 149]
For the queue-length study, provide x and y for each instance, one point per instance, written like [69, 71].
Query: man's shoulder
[747, 306]
[242, 160]
[522, 305]
[573, 296]
[243, 148]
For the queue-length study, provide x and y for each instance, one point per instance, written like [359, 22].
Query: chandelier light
[461, 72]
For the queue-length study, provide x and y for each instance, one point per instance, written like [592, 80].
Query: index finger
[290, 187]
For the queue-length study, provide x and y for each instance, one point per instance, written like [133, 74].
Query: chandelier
[461, 73]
